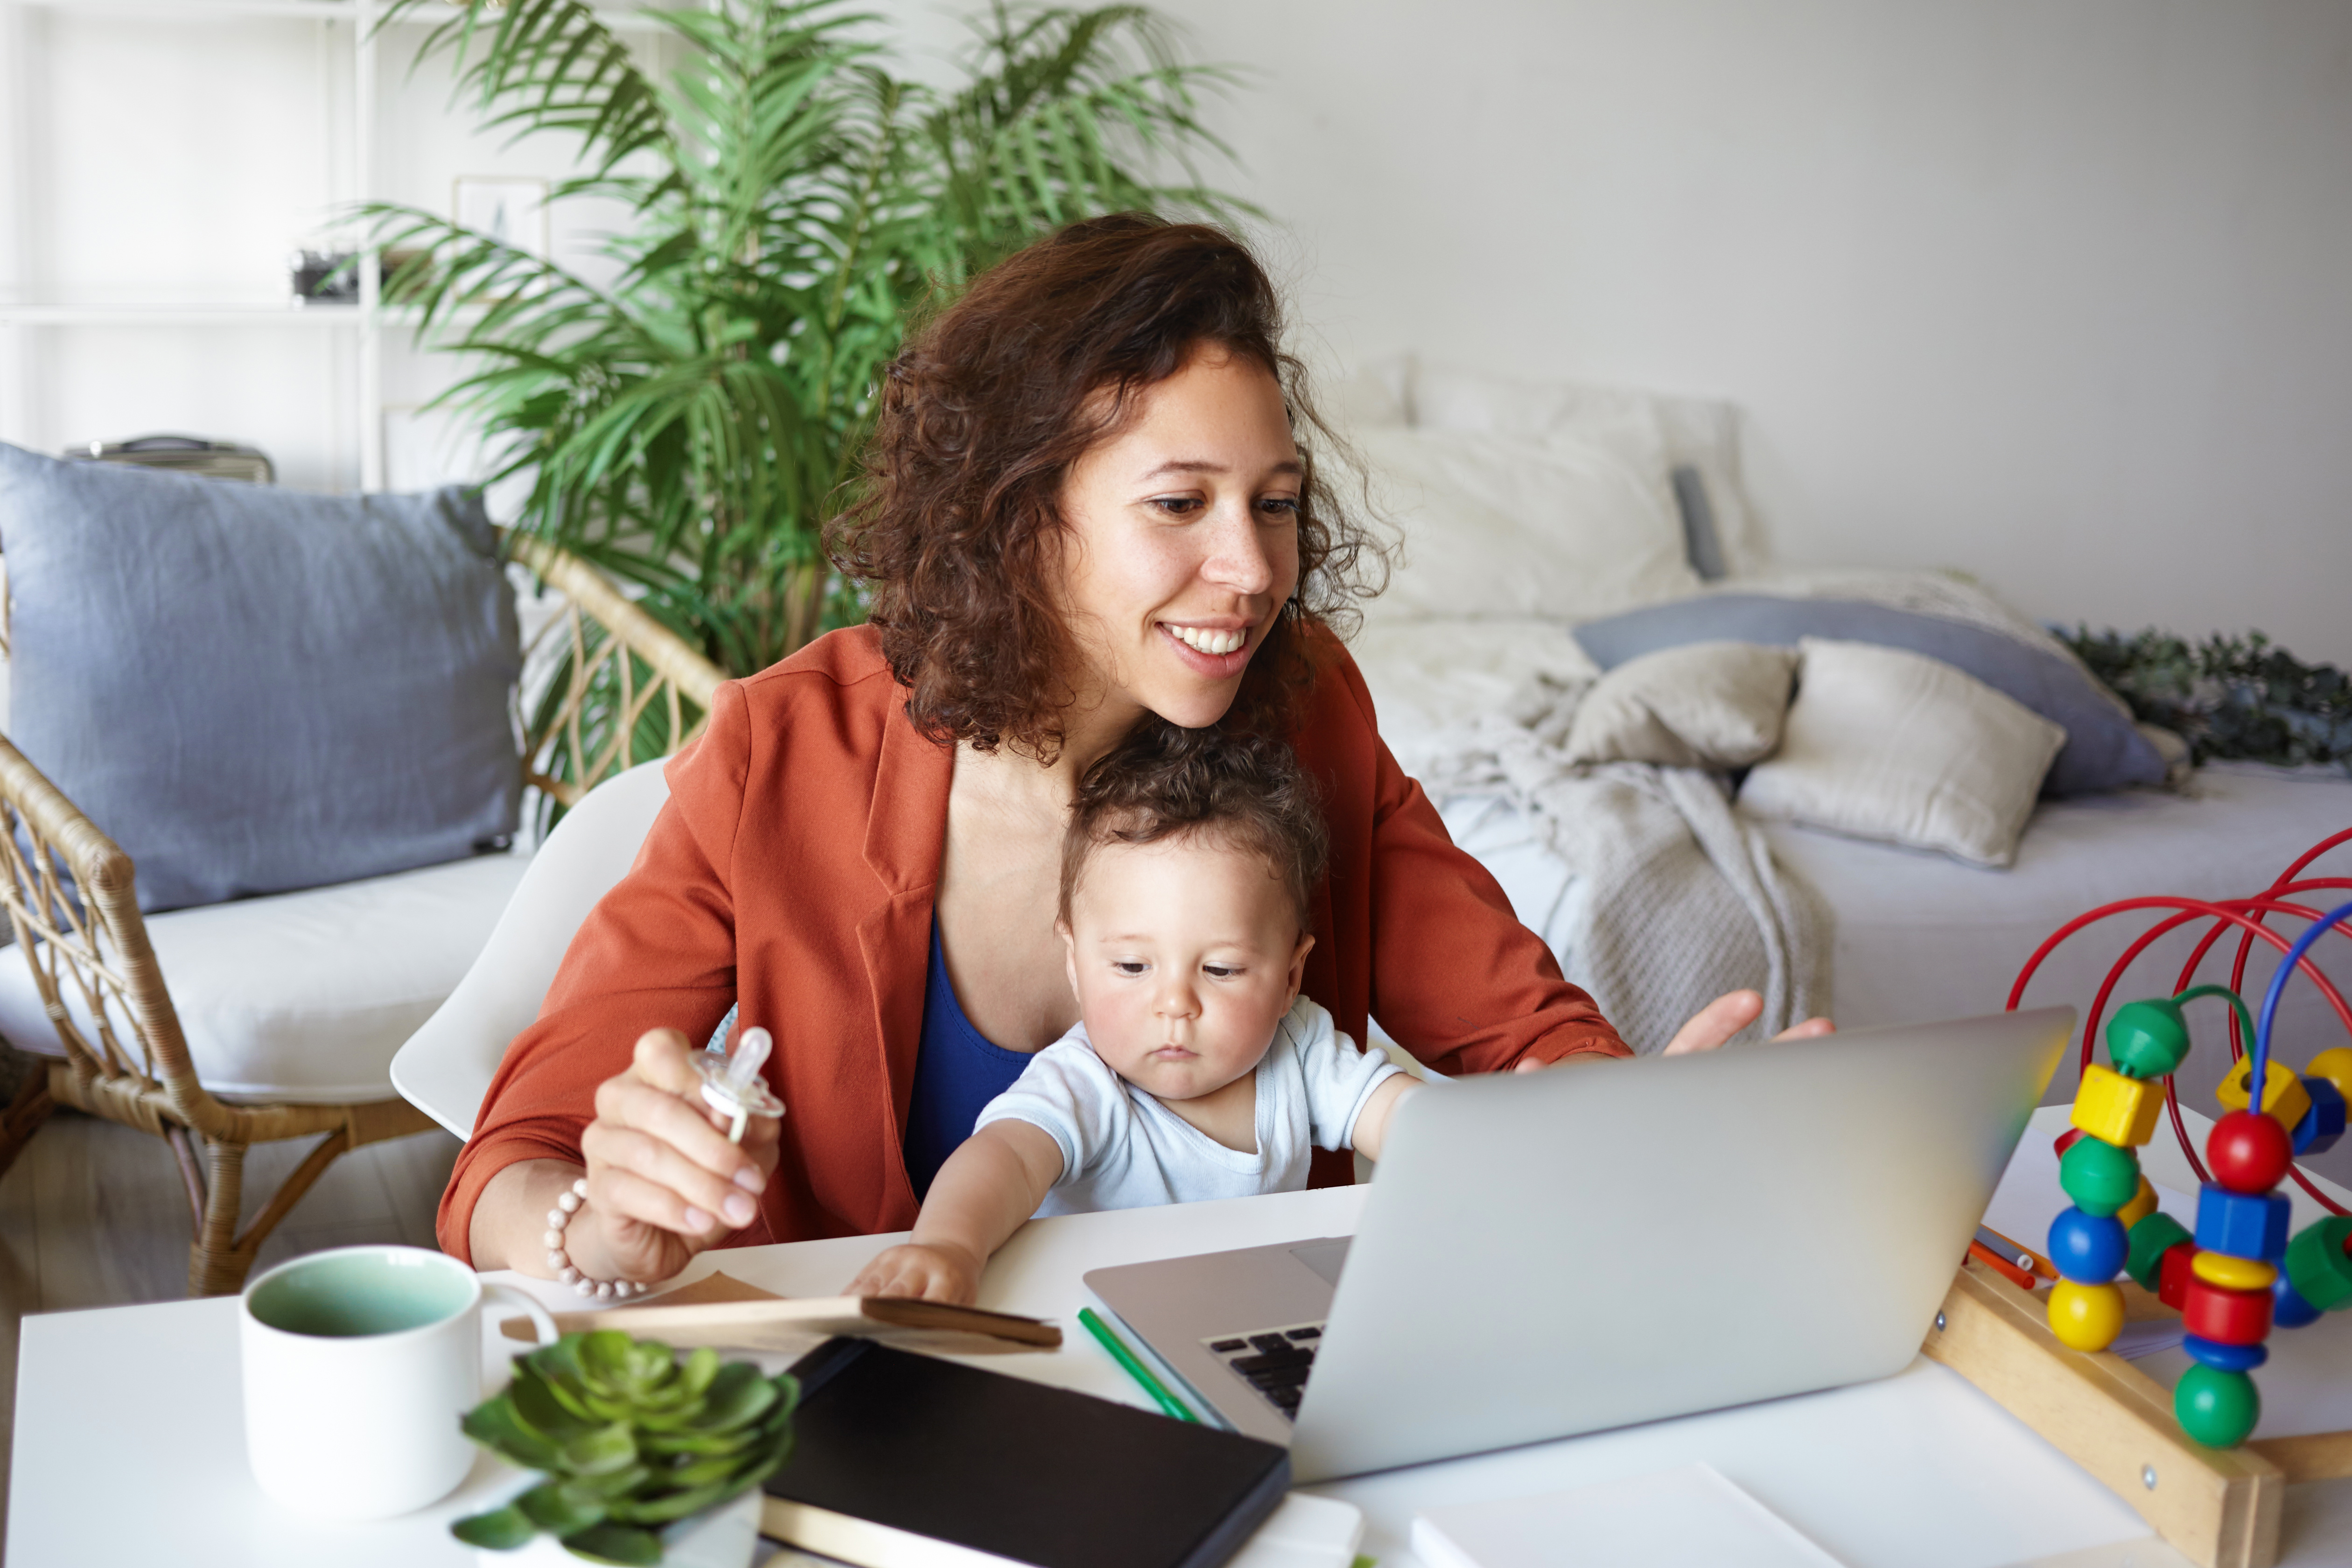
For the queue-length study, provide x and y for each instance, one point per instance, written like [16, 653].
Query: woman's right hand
[663, 1181]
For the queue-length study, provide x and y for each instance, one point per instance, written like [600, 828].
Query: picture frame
[511, 207]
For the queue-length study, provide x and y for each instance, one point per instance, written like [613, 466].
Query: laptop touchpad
[1327, 1256]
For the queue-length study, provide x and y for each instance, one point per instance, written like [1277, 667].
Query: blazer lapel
[906, 837]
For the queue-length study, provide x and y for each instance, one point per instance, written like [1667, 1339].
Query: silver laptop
[1561, 1252]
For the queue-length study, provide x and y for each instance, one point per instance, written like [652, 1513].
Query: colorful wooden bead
[2317, 1265]
[2244, 1225]
[2233, 1273]
[2066, 1140]
[2086, 1317]
[2175, 1272]
[2335, 1067]
[2288, 1309]
[2087, 1248]
[2284, 1096]
[2119, 1110]
[2217, 1408]
[2099, 1177]
[2147, 1039]
[2323, 1125]
[2143, 1205]
[2224, 1357]
[2232, 1316]
[2149, 1239]
[2249, 1152]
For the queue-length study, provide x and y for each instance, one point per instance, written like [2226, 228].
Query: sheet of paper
[1691, 1517]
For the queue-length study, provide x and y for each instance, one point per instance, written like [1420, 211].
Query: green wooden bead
[2099, 1177]
[2316, 1265]
[2147, 1039]
[2216, 1408]
[2151, 1239]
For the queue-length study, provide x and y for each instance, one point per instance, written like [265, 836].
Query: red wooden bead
[2175, 1269]
[2231, 1317]
[2067, 1139]
[2249, 1152]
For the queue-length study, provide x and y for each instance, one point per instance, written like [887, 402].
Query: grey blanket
[1685, 900]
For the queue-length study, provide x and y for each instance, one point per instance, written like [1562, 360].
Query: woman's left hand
[1715, 1024]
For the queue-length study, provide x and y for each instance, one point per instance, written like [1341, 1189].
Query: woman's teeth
[1207, 641]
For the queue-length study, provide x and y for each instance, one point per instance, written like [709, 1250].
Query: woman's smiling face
[1183, 542]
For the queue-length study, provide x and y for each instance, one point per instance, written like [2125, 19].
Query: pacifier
[732, 1084]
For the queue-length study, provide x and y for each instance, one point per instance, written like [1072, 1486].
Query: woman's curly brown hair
[956, 527]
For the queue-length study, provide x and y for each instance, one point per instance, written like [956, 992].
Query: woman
[1085, 510]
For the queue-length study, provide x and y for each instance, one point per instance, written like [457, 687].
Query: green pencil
[1134, 1367]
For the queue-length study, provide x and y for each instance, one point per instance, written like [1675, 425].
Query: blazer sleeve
[1456, 979]
[657, 951]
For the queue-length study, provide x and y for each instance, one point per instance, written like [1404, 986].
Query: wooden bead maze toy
[2185, 1460]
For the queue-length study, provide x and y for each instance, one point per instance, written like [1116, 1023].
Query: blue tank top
[957, 1072]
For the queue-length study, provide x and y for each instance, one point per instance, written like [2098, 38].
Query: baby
[1197, 1070]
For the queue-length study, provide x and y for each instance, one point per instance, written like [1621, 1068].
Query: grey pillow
[252, 689]
[2104, 750]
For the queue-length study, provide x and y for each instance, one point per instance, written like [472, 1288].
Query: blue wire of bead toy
[2258, 1080]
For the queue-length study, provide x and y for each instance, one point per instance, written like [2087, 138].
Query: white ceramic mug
[359, 1364]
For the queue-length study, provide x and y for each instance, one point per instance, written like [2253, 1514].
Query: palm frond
[690, 425]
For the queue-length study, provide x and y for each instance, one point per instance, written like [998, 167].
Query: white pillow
[1376, 394]
[1701, 705]
[1891, 745]
[1701, 432]
[1496, 529]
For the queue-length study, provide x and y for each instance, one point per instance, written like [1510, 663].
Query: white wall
[2060, 293]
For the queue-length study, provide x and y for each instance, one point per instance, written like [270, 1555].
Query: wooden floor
[93, 1214]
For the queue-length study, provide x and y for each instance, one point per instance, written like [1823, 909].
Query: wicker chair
[624, 689]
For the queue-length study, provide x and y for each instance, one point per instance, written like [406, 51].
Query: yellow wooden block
[2335, 1067]
[2143, 1205]
[2117, 1110]
[2284, 1099]
[2233, 1273]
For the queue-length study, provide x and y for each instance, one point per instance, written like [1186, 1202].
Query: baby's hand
[933, 1273]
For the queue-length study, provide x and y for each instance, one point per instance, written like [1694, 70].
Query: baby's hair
[1162, 781]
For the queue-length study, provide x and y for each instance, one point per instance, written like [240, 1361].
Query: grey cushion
[252, 689]
[2103, 751]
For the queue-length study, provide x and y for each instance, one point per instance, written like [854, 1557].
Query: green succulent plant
[630, 1438]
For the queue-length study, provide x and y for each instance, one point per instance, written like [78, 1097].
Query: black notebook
[894, 1453]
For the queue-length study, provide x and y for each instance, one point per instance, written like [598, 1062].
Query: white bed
[1918, 935]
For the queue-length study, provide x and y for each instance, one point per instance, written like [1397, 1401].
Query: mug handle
[541, 1322]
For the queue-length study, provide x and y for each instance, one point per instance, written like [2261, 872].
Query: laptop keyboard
[1275, 1362]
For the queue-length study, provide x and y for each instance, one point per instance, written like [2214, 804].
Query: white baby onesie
[1122, 1149]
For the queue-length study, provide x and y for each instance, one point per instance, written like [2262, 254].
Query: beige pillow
[1702, 705]
[1886, 744]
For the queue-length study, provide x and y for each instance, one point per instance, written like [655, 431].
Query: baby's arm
[1372, 1122]
[980, 1196]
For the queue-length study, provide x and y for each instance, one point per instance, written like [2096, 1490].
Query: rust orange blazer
[795, 866]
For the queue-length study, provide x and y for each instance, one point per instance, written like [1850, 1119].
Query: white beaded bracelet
[561, 1261]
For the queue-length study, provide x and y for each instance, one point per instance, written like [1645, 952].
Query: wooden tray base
[2217, 1506]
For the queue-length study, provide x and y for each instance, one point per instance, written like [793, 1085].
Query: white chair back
[446, 1067]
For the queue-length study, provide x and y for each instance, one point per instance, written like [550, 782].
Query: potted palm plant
[690, 425]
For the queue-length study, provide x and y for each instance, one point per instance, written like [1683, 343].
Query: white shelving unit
[46, 328]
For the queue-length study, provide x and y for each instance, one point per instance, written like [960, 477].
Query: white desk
[129, 1447]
